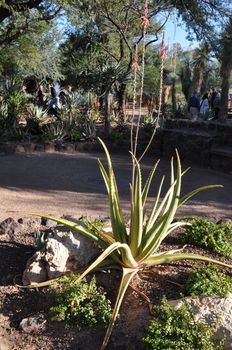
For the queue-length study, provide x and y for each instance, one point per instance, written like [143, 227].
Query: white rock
[207, 309]
[64, 251]
[33, 324]
[35, 271]
[56, 256]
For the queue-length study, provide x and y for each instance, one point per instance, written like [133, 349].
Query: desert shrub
[36, 112]
[75, 136]
[116, 137]
[3, 116]
[56, 131]
[16, 101]
[208, 281]
[215, 237]
[83, 303]
[176, 329]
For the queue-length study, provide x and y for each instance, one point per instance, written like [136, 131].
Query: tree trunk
[226, 68]
[122, 103]
[204, 82]
[197, 81]
[107, 112]
[174, 106]
[223, 109]
[186, 78]
[102, 98]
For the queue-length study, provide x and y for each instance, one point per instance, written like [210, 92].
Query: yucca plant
[139, 248]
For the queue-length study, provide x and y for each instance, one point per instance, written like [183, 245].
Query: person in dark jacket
[212, 97]
[194, 106]
[54, 104]
[216, 105]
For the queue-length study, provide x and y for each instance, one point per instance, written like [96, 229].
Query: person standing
[216, 105]
[40, 96]
[212, 97]
[54, 104]
[194, 106]
[204, 107]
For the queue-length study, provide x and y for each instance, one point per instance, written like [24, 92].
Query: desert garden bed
[17, 304]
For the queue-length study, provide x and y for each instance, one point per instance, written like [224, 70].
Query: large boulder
[208, 309]
[63, 251]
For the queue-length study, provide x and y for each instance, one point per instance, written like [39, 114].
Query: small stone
[20, 149]
[79, 147]
[10, 227]
[47, 222]
[29, 147]
[33, 324]
[49, 148]
[69, 147]
[30, 222]
[39, 148]
[35, 271]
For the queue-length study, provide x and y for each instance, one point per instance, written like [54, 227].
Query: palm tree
[200, 63]
[186, 78]
[226, 68]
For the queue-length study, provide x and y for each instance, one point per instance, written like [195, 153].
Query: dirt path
[71, 184]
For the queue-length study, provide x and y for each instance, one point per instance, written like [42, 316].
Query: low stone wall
[48, 147]
[207, 143]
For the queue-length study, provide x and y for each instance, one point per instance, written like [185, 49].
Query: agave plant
[36, 112]
[139, 248]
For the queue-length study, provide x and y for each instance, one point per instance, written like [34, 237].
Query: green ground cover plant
[216, 237]
[116, 137]
[82, 303]
[208, 281]
[176, 329]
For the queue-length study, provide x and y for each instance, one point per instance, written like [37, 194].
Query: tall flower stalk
[135, 67]
[162, 56]
[144, 25]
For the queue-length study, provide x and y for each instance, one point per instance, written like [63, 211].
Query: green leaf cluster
[93, 225]
[208, 281]
[215, 237]
[75, 136]
[176, 329]
[116, 137]
[83, 302]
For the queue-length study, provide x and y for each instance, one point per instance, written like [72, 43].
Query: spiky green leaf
[127, 276]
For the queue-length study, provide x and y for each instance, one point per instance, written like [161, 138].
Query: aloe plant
[140, 248]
